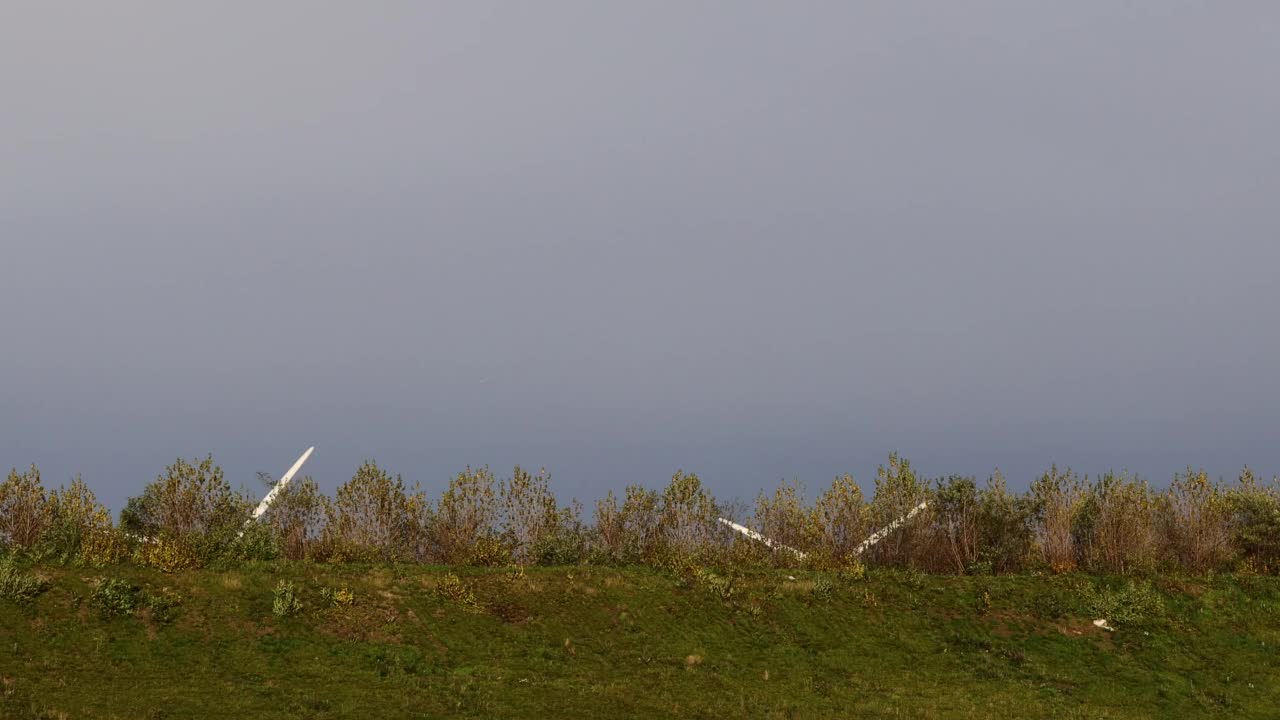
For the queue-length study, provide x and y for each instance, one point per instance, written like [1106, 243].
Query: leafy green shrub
[284, 600]
[105, 546]
[718, 585]
[454, 590]
[191, 507]
[167, 553]
[76, 519]
[163, 605]
[851, 572]
[823, 588]
[1254, 511]
[982, 601]
[1132, 604]
[79, 531]
[257, 543]
[1050, 606]
[564, 545]
[18, 586]
[1006, 538]
[338, 597]
[114, 596]
[489, 551]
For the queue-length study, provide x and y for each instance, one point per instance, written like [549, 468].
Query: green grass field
[603, 642]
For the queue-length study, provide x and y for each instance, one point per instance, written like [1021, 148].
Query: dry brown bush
[297, 517]
[465, 515]
[898, 490]
[371, 515]
[841, 517]
[957, 522]
[610, 532]
[1056, 498]
[687, 521]
[628, 533]
[1196, 521]
[530, 517]
[1118, 519]
[25, 513]
[785, 519]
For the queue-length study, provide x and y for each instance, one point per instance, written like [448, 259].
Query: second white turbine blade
[884, 532]
[284, 480]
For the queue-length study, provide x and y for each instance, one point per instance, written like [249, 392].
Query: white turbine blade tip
[284, 480]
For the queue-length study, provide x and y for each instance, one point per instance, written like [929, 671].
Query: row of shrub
[190, 517]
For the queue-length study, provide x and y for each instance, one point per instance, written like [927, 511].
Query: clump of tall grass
[1130, 604]
[285, 600]
[113, 597]
[18, 586]
[341, 598]
[452, 589]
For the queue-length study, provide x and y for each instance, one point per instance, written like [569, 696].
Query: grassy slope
[599, 642]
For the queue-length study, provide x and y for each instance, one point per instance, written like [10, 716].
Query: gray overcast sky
[749, 239]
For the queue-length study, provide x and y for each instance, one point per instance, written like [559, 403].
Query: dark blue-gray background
[750, 239]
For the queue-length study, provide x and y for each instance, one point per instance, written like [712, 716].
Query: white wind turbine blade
[883, 532]
[875, 537]
[757, 536]
[284, 480]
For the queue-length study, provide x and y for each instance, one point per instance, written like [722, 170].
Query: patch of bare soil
[510, 612]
